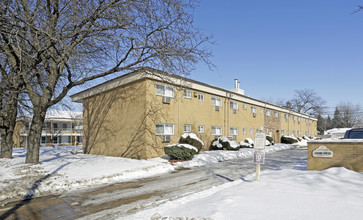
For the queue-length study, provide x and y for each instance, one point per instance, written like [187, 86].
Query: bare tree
[70, 42]
[306, 101]
[349, 114]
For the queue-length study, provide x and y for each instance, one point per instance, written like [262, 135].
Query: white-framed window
[233, 131]
[253, 109]
[200, 96]
[244, 130]
[164, 90]
[251, 130]
[268, 112]
[187, 93]
[285, 115]
[298, 133]
[293, 133]
[293, 117]
[164, 129]
[216, 101]
[233, 105]
[187, 128]
[201, 129]
[261, 110]
[216, 130]
[44, 139]
[276, 114]
[244, 106]
[55, 140]
[282, 132]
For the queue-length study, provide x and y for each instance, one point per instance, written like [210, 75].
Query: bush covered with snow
[191, 139]
[243, 144]
[288, 140]
[223, 143]
[249, 141]
[270, 139]
[180, 151]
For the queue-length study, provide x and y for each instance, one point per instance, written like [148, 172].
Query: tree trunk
[32, 154]
[8, 126]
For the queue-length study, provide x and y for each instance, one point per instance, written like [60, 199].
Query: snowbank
[287, 194]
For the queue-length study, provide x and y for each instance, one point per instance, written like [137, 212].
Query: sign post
[259, 154]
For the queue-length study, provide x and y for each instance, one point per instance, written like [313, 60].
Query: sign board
[323, 151]
[259, 157]
[260, 141]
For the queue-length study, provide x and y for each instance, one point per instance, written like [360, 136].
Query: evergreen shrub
[288, 140]
[180, 151]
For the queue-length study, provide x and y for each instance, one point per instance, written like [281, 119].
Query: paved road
[122, 199]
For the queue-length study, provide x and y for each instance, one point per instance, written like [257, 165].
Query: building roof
[158, 75]
[60, 114]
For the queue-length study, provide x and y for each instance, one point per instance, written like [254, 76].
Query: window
[276, 114]
[298, 133]
[282, 132]
[298, 120]
[201, 129]
[261, 110]
[65, 139]
[43, 139]
[285, 115]
[233, 131]
[27, 125]
[268, 112]
[187, 128]
[244, 106]
[164, 129]
[164, 90]
[55, 140]
[187, 93]
[251, 130]
[253, 109]
[216, 101]
[216, 130]
[234, 105]
[200, 97]
[293, 133]
[293, 117]
[244, 130]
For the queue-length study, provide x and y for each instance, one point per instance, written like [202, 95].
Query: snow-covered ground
[60, 170]
[335, 193]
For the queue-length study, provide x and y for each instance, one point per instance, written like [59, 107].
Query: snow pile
[210, 157]
[335, 193]
[60, 170]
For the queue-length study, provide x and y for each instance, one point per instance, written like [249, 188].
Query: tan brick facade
[136, 115]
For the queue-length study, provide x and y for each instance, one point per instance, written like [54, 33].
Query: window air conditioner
[217, 108]
[166, 100]
[254, 114]
[165, 139]
[195, 94]
[234, 111]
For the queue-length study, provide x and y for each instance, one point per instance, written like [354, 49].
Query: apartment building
[137, 114]
[61, 128]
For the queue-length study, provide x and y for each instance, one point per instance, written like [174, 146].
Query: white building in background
[61, 128]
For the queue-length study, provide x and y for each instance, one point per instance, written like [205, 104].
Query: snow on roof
[63, 114]
[336, 130]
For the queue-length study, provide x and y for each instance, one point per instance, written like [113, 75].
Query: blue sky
[275, 47]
